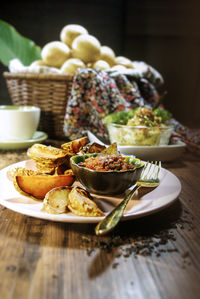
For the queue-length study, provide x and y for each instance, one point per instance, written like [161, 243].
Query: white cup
[18, 122]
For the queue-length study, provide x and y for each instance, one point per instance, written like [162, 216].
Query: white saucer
[162, 153]
[38, 137]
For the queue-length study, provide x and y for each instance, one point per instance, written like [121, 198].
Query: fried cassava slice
[110, 150]
[21, 171]
[74, 146]
[75, 199]
[38, 185]
[56, 200]
[48, 155]
[80, 203]
[93, 148]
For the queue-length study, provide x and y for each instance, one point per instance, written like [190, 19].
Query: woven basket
[50, 92]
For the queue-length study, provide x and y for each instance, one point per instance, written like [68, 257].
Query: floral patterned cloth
[97, 93]
[189, 136]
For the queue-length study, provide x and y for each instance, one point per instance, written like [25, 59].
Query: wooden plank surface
[152, 257]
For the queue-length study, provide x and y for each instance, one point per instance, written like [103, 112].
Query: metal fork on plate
[149, 178]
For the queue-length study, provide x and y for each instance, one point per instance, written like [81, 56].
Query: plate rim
[71, 218]
[44, 135]
[177, 144]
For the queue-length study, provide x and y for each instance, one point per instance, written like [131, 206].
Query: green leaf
[164, 114]
[14, 45]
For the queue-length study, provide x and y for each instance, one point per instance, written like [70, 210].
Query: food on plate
[81, 203]
[107, 172]
[101, 65]
[51, 160]
[36, 186]
[52, 169]
[56, 200]
[71, 65]
[55, 53]
[74, 146]
[52, 177]
[56, 190]
[41, 151]
[108, 163]
[21, 171]
[46, 153]
[92, 148]
[75, 199]
[110, 159]
[110, 150]
[126, 62]
[70, 32]
[48, 158]
[140, 126]
[86, 47]
[107, 54]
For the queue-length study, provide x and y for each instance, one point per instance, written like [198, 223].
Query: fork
[149, 178]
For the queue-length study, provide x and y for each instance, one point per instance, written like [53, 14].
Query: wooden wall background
[165, 34]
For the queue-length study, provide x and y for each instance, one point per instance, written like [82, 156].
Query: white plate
[161, 197]
[162, 153]
[38, 136]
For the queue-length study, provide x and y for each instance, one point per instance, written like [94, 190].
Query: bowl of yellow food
[139, 127]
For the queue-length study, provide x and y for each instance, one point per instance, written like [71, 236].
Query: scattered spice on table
[138, 244]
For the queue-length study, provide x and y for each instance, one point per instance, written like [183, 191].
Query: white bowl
[164, 153]
[18, 122]
[139, 135]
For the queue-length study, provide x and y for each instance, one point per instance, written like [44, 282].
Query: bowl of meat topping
[106, 174]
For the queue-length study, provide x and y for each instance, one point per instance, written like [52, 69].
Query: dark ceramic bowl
[105, 182]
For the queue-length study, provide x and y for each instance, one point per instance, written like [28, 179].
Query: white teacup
[18, 122]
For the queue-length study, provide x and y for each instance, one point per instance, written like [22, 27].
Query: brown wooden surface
[153, 257]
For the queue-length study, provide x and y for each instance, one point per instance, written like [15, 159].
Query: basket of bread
[47, 81]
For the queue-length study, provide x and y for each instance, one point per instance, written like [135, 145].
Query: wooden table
[157, 256]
